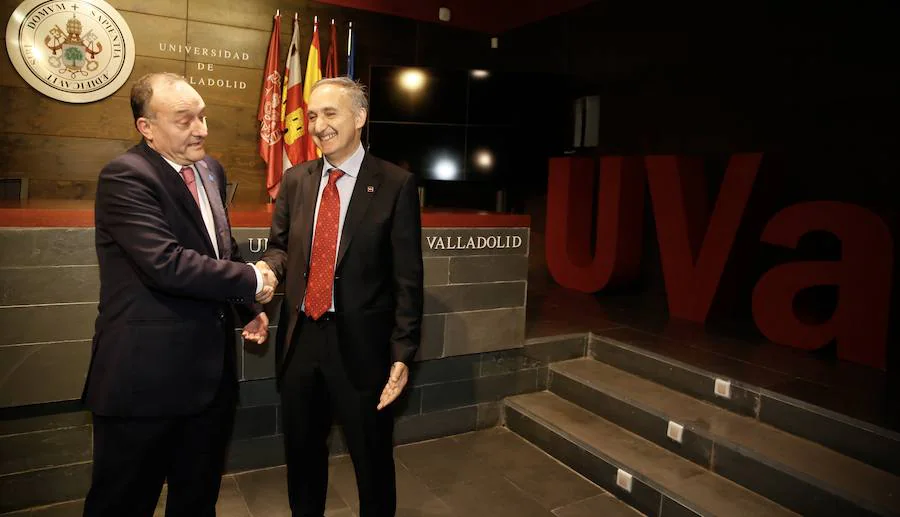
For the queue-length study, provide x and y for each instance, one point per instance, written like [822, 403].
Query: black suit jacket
[164, 335]
[378, 291]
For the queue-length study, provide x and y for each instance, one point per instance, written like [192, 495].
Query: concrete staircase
[653, 432]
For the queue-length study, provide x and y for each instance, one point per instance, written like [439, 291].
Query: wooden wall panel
[62, 189]
[8, 74]
[258, 15]
[233, 141]
[252, 15]
[61, 147]
[152, 31]
[249, 44]
[57, 157]
[7, 7]
[30, 112]
[230, 124]
[251, 185]
[145, 65]
[142, 65]
[238, 155]
[226, 85]
[169, 8]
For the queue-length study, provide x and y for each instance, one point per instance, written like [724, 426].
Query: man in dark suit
[346, 239]
[162, 383]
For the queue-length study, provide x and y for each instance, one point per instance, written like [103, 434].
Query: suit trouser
[134, 456]
[315, 390]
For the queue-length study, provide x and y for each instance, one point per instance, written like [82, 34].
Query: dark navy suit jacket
[164, 335]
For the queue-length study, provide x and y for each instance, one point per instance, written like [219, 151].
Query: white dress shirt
[206, 213]
[345, 185]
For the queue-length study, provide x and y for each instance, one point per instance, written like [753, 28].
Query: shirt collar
[350, 167]
[176, 166]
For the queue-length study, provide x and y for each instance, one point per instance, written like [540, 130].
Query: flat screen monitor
[444, 125]
[431, 152]
[407, 94]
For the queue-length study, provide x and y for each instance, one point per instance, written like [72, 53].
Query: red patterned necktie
[321, 265]
[187, 172]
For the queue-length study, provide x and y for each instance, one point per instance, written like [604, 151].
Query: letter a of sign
[693, 260]
[616, 256]
[863, 278]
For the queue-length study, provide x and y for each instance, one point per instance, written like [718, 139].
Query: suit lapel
[220, 220]
[367, 184]
[310, 194]
[174, 183]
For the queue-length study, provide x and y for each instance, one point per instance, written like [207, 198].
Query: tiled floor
[486, 473]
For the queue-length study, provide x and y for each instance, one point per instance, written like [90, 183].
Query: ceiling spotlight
[445, 169]
[484, 159]
[480, 74]
[412, 79]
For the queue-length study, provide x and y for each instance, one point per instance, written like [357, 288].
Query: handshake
[270, 283]
[257, 330]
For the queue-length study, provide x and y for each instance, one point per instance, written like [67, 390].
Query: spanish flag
[313, 75]
[292, 112]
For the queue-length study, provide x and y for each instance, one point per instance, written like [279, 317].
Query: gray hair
[142, 91]
[355, 89]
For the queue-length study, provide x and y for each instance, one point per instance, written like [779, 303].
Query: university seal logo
[75, 51]
[270, 129]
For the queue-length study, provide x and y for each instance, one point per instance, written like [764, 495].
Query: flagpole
[350, 51]
[349, 39]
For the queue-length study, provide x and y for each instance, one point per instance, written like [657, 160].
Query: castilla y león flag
[293, 118]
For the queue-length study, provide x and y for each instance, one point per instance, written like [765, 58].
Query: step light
[723, 388]
[675, 431]
[623, 479]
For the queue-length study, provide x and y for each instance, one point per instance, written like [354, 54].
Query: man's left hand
[394, 386]
[258, 329]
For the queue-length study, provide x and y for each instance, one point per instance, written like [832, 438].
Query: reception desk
[471, 355]
[476, 268]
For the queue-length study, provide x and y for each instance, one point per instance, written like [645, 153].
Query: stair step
[663, 483]
[799, 474]
[694, 372]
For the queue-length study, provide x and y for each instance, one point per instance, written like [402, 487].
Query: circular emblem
[74, 51]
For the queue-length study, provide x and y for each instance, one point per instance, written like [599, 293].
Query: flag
[292, 112]
[313, 74]
[331, 64]
[351, 52]
[269, 114]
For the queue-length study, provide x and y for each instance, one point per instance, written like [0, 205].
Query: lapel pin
[210, 176]
[370, 189]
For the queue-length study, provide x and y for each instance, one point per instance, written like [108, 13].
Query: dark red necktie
[187, 172]
[321, 264]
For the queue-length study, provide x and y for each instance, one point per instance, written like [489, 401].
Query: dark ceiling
[487, 16]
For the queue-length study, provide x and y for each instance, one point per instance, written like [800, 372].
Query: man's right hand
[270, 283]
